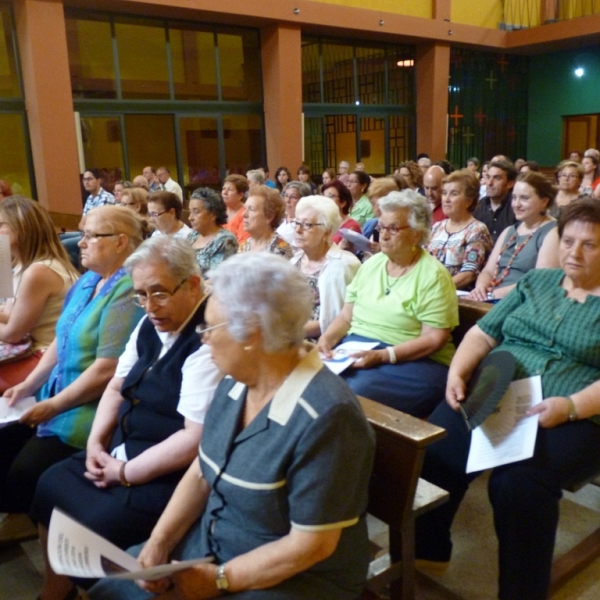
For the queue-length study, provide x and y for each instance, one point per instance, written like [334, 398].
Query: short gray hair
[419, 211]
[177, 254]
[257, 176]
[266, 292]
[302, 188]
[326, 208]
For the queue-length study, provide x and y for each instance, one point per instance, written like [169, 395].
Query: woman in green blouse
[551, 325]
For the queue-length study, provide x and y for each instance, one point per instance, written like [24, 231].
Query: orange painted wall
[45, 68]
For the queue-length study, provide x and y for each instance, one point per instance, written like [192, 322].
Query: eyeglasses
[391, 229]
[159, 298]
[331, 196]
[92, 238]
[288, 197]
[155, 215]
[203, 330]
[88, 178]
[305, 225]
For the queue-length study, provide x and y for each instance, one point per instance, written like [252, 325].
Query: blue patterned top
[222, 246]
[103, 197]
[90, 327]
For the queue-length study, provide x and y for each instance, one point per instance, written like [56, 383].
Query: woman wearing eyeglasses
[164, 210]
[404, 300]
[327, 268]
[149, 421]
[97, 319]
[570, 175]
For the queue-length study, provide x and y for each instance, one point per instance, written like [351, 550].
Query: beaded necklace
[496, 281]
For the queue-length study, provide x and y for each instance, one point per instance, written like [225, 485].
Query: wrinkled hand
[479, 293]
[154, 553]
[368, 359]
[456, 388]
[40, 413]
[92, 463]
[197, 583]
[15, 393]
[106, 470]
[553, 411]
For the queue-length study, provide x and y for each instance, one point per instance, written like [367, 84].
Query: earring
[246, 348]
[413, 248]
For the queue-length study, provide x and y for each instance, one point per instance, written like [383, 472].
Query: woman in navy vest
[149, 420]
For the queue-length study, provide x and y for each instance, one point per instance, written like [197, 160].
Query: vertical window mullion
[116, 67]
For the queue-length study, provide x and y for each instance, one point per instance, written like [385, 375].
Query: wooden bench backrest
[401, 443]
[469, 312]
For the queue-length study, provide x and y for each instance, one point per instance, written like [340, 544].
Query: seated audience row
[551, 324]
[96, 321]
[149, 421]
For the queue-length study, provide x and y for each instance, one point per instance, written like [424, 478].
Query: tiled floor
[472, 574]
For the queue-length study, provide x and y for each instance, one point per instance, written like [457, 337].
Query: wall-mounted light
[579, 72]
[406, 63]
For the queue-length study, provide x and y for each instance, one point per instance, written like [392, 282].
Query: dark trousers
[23, 459]
[524, 496]
[414, 387]
[70, 241]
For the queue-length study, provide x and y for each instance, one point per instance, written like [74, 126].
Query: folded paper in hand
[76, 551]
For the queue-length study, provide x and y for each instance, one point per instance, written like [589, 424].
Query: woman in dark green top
[551, 324]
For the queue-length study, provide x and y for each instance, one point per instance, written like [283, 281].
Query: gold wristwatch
[221, 580]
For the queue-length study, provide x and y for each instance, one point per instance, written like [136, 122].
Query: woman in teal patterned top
[212, 243]
[97, 320]
[551, 324]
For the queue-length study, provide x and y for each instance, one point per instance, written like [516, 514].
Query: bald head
[139, 181]
[432, 184]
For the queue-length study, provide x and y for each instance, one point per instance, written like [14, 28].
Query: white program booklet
[8, 414]
[76, 551]
[341, 358]
[508, 434]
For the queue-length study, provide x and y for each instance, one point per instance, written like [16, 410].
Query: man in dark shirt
[495, 209]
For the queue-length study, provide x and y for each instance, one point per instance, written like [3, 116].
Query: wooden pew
[396, 494]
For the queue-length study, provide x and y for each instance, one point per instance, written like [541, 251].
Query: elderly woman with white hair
[150, 418]
[327, 268]
[404, 300]
[284, 442]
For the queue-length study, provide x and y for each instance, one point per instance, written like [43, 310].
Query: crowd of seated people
[107, 431]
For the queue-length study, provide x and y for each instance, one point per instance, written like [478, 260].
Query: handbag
[13, 352]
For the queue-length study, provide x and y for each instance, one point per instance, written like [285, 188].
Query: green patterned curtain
[487, 106]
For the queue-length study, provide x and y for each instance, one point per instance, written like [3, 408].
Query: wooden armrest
[410, 429]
